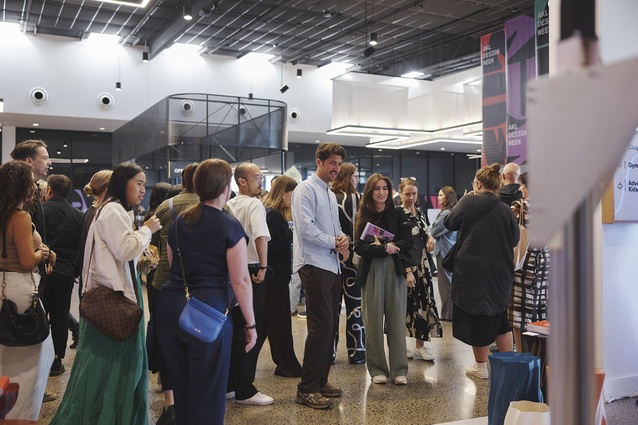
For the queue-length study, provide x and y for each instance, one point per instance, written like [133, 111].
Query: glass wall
[431, 170]
[80, 154]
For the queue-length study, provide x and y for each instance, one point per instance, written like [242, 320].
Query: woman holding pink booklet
[384, 279]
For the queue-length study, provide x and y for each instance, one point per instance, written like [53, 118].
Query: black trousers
[243, 365]
[56, 298]
[279, 325]
[198, 370]
[156, 361]
[323, 294]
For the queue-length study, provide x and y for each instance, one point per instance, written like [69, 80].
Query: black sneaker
[168, 416]
[314, 400]
[57, 368]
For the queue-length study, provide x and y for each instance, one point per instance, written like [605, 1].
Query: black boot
[76, 338]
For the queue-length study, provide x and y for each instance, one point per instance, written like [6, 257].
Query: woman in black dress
[277, 292]
[483, 268]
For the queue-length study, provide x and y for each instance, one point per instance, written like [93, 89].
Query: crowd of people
[240, 254]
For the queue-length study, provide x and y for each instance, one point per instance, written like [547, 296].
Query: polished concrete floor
[437, 392]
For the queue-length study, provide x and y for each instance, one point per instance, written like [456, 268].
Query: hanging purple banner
[521, 67]
[494, 113]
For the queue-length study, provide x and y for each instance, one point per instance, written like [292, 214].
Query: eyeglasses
[257, 178]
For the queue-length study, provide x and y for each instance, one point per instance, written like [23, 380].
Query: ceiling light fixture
[373, 39]
[65, 145]
[59, 152]
[187, 12]
[412, 74]
[284, 88]
[145, 57]
[1, 105]
[118, 86]
[299, 73]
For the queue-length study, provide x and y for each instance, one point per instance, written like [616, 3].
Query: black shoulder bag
[28, 328]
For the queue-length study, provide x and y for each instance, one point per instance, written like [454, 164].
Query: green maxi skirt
[108, 383]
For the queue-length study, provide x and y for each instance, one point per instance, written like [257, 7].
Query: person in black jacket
[63, 226]
[277, 292]
[483, 268]
[384, 279]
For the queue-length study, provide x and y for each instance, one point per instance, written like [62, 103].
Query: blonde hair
[490, 177]
[99, 183]
[275, 199]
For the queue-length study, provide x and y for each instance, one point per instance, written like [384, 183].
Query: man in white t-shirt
[250, 212]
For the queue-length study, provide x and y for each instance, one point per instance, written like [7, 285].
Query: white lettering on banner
[178, 170]
[514, 142]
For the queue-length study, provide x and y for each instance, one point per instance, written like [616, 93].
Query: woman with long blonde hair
[277, 292]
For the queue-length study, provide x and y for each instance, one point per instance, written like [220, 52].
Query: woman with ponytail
[213, 251]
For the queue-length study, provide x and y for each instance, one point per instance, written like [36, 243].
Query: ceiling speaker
[105, 101]
[293, 114]
[186, 106]
[39, 95]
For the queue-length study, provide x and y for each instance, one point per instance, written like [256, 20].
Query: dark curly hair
[17, 188]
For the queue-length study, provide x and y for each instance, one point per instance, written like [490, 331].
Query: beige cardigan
[115, 245]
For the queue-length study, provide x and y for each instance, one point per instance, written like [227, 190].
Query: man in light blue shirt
[318, 241]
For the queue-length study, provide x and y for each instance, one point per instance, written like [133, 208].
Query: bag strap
[179, 253]
[130, 263]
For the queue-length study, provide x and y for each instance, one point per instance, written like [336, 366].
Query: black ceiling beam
[178, 27]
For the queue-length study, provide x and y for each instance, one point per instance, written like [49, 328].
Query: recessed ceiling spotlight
[102, 128]
[442, 149]
[59, 152]
[65, 145]
[35, 124]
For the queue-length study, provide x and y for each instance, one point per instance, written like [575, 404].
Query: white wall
[619, 40]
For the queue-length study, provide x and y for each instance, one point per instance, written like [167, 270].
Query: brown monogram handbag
[109, 311]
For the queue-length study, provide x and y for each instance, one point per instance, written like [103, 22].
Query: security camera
[293, 114]
[39, 95]
[186, 106]
[105, 101]
[243, 110]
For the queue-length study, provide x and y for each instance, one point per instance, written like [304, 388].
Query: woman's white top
[116, 243]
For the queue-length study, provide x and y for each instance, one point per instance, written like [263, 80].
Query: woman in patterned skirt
[422, 317]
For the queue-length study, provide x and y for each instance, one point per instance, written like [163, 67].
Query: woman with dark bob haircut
[27, 366]
[483, 268]
[213, 252]
[109, 379]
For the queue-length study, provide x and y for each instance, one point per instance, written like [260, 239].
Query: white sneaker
[230, 395]
[410, 355]
[379, 379]
[258, 399]
[478, 370]
[423, 353]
